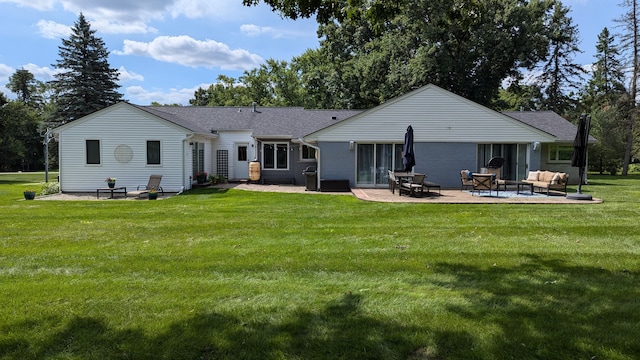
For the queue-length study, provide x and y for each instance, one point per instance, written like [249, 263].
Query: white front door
[241, 164]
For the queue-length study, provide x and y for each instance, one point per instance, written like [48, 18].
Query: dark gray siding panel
[442, 162]
[337, 162]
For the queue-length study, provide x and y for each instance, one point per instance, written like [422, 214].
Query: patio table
[520, 185]
[122, 189]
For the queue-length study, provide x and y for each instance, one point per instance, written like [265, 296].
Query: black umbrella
[579, 157]
[408, 157]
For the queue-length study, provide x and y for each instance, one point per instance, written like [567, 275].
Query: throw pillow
[555, 178]
[533, 176]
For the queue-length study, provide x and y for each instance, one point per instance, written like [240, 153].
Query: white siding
[121, 124]
[226, 141]
[435, 115]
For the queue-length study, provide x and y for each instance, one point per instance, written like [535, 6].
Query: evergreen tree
[24, 85]
[560, 74]
[606, 98]
[87, 83]
[608, 75]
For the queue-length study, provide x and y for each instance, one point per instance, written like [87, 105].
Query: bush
[50, 188]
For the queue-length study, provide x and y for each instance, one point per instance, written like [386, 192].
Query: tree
[467, 47]
[20, 144]
[87, 82]
[631, 41]
[226, 92]
[377, 11]
[559, 73]
[606, 99]
[519, 97]
[24, 85]
[607, 81]
[274, 83]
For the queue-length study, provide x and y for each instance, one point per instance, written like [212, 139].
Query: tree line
[504, 54]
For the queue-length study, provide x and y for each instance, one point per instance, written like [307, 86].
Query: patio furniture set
[152, 184]
[412, 184]
[540, 181]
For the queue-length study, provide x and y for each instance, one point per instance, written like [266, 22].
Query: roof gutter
[317, 152]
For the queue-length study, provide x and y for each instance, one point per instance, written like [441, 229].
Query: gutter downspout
[184, 146]
[317, 152]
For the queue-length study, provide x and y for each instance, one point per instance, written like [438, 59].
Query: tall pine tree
[87, 83]
[559, 73]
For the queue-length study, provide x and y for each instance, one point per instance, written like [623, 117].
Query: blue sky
[166, 49]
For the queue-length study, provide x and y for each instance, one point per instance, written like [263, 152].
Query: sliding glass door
[374, 161]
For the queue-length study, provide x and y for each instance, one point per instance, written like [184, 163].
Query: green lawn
[246, 275]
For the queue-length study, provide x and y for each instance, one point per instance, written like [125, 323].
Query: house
[132, 142]
[451, 133]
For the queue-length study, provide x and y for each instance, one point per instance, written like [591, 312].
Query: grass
[244, 275]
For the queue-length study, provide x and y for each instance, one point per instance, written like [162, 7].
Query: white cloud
[42, 5]
[141, 96]
[221, 9]
[185, 50]
[42, 73]
[5, 72]
[255, 30]
[117, 27]
[125, 75]
[53, 30]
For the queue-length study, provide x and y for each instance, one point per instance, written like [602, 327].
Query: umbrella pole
[581, 169]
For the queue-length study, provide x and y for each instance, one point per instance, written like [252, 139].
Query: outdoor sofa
[544, 181]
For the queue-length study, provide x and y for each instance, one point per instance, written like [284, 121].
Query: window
[560, 153]
[275, 156]
[93, 152]
[153, 152]
[308, 153]
[242, 153]
[198, 158]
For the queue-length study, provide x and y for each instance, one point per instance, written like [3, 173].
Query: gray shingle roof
[547, 121]
[289, 122]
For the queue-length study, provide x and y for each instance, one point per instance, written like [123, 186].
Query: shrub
[50, 188]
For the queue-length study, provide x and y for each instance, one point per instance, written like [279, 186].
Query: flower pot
[111, 184]
[153, 196]
[29, 195]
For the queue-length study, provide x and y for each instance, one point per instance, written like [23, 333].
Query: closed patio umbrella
[579, 157]
[408, 157]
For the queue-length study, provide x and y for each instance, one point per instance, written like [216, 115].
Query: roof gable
[436, 115]
[124, 107]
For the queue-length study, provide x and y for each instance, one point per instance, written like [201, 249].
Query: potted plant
[201, 177]
[153, 194]
[111, 182]
[29, 194]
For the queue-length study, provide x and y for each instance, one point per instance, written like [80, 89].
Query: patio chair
[154, 183]
[483, 182]
[465, 178]
[416, 184]
[393, 182]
